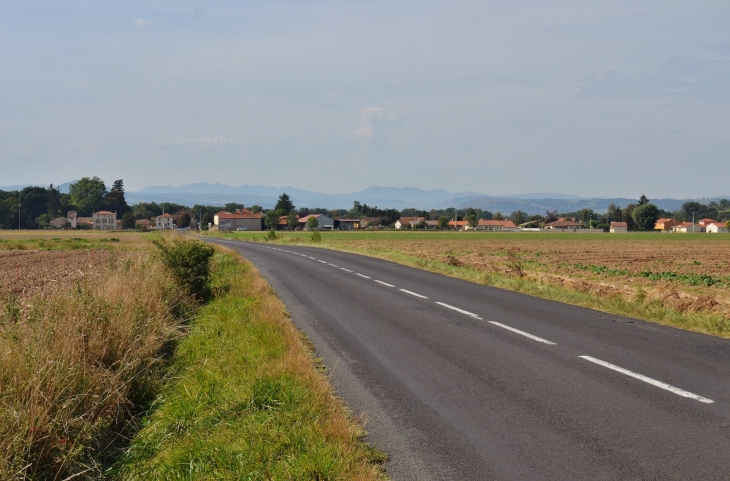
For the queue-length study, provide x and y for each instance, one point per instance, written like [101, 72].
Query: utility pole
[18, 215]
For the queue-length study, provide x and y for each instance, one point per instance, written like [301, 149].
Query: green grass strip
[245, 400]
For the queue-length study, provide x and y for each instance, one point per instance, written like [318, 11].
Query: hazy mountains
[383, 197]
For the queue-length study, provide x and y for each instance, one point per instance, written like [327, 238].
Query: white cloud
[220, 140]
[369, 117]
[141, 23]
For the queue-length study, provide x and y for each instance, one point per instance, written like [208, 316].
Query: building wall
[104, 221]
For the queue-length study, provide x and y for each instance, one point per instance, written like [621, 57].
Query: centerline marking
[523, 333]
[362, 275]
[648, 380]
[331, 265]
[311, 257]
[384, 283]
[323, 262]
[346, 270]
[471, 314]
[414, 294]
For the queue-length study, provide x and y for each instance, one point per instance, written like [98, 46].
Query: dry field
[691, 274]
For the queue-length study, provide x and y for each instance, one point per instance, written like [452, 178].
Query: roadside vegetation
[247, 401]
[682, 280]
[101, 338]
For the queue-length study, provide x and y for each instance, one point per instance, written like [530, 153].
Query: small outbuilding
[618, 227]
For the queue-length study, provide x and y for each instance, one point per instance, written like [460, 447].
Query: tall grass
[246, 401]
[78, 365]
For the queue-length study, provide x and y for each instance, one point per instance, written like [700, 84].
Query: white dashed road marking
[471, 314]
[384, 283]
[522, 333]
[653, 382]
[414, 294]
[361, 275]
[323, 262]
[346, 270]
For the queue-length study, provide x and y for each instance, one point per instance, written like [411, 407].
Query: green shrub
[316, 237]
[189, 263]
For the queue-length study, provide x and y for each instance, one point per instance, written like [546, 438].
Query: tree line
[34, 207]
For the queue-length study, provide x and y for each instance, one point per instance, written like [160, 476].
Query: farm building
[408, 222]
[496, 225]
[566, 225]
[323, 222]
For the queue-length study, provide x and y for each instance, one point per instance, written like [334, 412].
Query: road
[463, 381]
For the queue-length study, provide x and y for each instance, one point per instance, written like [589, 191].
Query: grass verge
[245, 400]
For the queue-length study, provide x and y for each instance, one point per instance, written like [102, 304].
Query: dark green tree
[498, 216]
[292, 221]
[472, 218]
[207, 219]
[519, 217]
[88, 195]
[312, 223]
[115, 201]
[284, 204]
[54, 202]
[272, 218]
[183, 221]
[443, 222]
[232, 207]
[643, 200]
[645, 216]
[128, 221]
[34, 202]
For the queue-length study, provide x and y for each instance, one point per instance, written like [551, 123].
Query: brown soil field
[24, 273]
[576, 262]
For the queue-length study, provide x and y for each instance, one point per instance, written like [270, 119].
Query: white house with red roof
[104, 220]
[165, 221]
[716, 227]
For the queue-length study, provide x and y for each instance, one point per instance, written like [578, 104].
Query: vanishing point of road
[467, 382]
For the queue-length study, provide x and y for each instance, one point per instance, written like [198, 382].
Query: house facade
[408, 222]
[716, 227]
[564, 225]
[241, 219]
[497, 225]
[165, 221]
[618, 227]
[685, 227]
[104, 220]
[347, 224]
[664, 224]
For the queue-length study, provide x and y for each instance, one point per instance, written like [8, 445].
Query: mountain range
[383, 197]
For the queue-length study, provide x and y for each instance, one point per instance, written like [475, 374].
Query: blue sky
[589, 98]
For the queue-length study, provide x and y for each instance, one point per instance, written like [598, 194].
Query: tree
[551, 216]
[128, 221]
[54, 201]
[498, 216]
[254, 208]
[472, 219]
[645, 216]
[312, 223]
[272, 218]
[34, 201]
[724, 204]
[614, 213]
[292, 221]
[233, 207]
[184, 220]
[643, 200]
[443, 222]
[88, 195]
[284, 204]
[207, 219]
[628, 215]
[115, 201]
[519, 217]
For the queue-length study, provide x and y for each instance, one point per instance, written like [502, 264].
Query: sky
[612, 99]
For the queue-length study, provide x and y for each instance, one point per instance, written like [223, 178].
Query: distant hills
[383, 197]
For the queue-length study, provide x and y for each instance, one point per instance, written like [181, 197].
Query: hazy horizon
[501, 98]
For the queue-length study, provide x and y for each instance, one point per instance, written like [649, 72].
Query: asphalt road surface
[463, 381]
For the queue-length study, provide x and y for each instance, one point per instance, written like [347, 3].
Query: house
[193, 220]
[104, 220]
[663, 224]
[369, 222]
[688, 227]
[408, 222]
[142, 223]
[164, 221]
[85, 222]
[564, 225]
[323, 222]
[705, 222]
[716, 227]
[242, 219]
[617, 227]
[432, 224]
[347, 224]
[496, 225]
[459, 225]
[72, 216]
[60, 223]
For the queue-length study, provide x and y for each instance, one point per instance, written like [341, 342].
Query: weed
[188, 261]
[316, 237]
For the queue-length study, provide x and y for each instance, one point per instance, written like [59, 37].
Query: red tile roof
[249, 215]
[103, 212]
[619, 224]
[497, 223]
